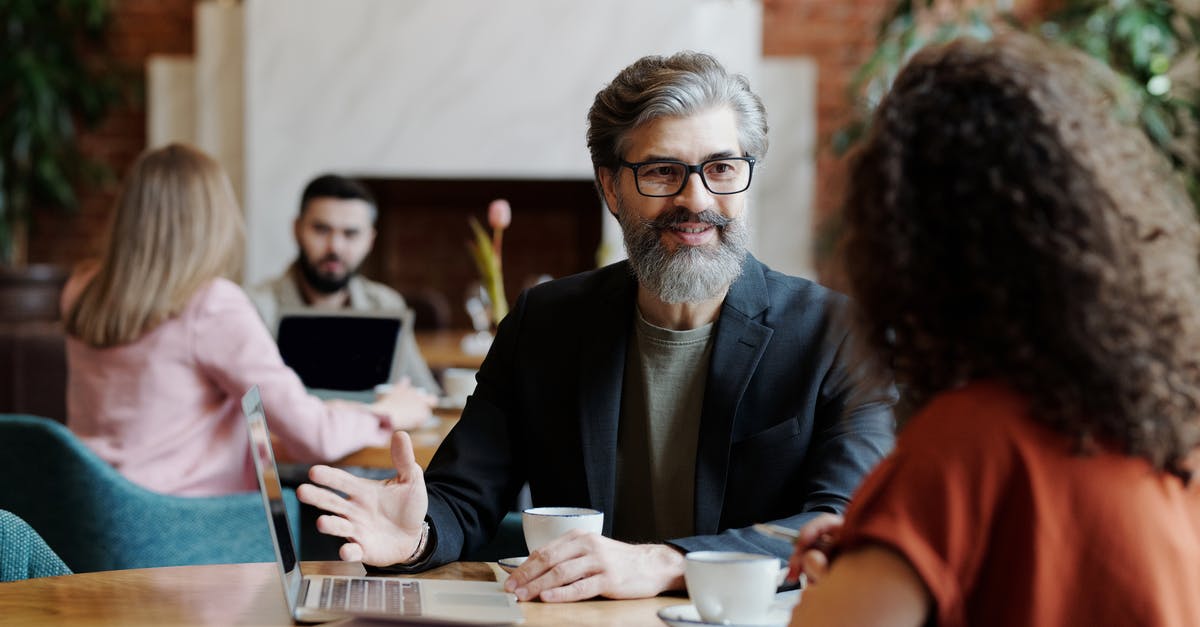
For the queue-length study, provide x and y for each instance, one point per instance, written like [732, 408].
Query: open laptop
[343, 354]
[319, 598]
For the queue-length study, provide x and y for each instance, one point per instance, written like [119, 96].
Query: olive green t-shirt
[663, 394]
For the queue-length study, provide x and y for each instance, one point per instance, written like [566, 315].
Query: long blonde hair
[176, 227]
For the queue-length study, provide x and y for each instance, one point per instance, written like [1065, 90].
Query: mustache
[329, 257]
[679, 215]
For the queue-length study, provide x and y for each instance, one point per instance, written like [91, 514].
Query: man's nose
[337, 243]
[694, 195]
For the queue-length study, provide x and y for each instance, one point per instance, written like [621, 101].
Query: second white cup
[730, 587]
[544, 524]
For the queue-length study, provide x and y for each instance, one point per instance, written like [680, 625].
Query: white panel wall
[284, 89]
[454, 88]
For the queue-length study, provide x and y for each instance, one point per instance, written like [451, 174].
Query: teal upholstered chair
[23, 553]
[96, 519]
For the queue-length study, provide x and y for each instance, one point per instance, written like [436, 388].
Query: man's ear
[608, 186]
[296, 227]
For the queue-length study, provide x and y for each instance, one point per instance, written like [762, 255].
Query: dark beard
[324, 283]
[690, 274]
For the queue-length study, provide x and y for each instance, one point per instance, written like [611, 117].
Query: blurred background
[442, 105]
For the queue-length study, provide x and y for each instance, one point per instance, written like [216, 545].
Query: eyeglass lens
[667, 178]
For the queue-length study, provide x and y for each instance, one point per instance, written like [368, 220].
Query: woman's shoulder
[217, 296]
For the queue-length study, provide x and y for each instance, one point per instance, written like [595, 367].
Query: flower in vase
[486, 253]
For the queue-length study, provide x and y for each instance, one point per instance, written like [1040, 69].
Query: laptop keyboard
[371, 595]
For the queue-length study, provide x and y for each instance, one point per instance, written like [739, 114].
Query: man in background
[334, 232]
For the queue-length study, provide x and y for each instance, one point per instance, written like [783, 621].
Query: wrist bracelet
[420, 542]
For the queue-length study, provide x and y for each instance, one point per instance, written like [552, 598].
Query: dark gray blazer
[786, 430]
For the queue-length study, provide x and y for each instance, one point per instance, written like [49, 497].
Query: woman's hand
[811, 553]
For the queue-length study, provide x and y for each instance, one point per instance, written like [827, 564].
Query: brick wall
[139, 28]
[838, 34]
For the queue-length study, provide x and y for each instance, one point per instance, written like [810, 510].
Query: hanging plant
[1154, 45]
[1151, 44]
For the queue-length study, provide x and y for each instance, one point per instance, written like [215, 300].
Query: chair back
[23, 553]
[96, 519]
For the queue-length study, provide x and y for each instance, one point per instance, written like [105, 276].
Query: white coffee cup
[731, 587]
[544, 524]
[458, 383]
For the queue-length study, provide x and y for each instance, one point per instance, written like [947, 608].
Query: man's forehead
[351, 212]
[705, 134]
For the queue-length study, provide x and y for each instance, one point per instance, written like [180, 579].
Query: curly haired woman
[1029, 271]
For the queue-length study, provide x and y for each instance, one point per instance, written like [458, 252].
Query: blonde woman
[161, 345]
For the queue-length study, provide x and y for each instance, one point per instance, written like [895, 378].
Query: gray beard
[690, 274]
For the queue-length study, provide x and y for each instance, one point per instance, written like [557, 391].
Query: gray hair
[682, 84]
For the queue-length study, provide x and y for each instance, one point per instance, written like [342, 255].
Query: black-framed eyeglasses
[668, 177]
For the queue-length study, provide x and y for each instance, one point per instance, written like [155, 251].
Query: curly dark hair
[1003, 222]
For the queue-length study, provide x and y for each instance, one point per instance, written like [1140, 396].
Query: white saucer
[687, 616]
[510, 564]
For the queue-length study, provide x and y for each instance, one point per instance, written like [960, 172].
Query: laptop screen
[272, 493]
[340, 352]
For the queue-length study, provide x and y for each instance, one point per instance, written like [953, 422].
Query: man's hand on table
[381, 520]
[581, 565]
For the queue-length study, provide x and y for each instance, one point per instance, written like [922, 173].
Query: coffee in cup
[731, 587]
[543, 524]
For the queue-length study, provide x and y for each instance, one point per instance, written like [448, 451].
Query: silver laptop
[342, 354]
[319, 598]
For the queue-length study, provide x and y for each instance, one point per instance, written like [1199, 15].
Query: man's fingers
[351, 552]
[321, 498]
[335, 478]
[335, 526]
[403, 457]
[577, 590]
[563, 573]
[566, 547]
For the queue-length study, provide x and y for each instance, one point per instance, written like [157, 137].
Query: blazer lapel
[601, 372]
[739, 345]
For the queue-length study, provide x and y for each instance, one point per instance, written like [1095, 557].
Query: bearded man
[686, 393]
[334, 233]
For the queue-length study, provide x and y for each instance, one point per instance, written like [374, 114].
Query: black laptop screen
[339, 352]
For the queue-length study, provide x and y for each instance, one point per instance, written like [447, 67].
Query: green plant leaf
[1139, 39]
[56, 74]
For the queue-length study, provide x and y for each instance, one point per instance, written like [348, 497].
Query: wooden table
[247, 594]
[443, 349]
